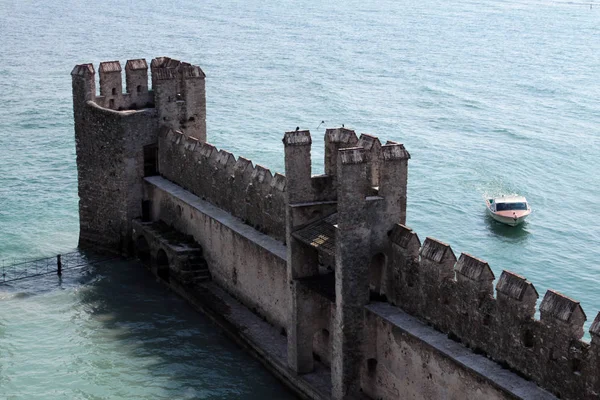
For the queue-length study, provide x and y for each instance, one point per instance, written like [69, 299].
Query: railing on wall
[14, 271]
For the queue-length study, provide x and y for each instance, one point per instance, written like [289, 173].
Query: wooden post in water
[58, 265]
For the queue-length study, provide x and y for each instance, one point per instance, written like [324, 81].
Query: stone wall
[456, 296]
[400, 365]
[110, 164]
[249, 192]
[136, 96]
[249, 265]
[179, 94]
[237, 212]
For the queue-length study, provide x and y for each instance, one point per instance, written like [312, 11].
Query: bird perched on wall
[297, 128]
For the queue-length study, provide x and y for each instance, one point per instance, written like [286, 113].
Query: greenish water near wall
[111, 331]
[490, 97]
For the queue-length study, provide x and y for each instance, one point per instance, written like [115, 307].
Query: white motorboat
[509, 210]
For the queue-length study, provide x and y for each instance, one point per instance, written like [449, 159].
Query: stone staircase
[184, 256]
[195, 269]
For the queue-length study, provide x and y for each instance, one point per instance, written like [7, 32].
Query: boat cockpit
[510, 206]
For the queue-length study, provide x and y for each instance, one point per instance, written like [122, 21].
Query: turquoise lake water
[490, 97]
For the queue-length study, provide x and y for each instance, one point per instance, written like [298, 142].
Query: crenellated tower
[180, 97]
[343, 218]
[116, 135]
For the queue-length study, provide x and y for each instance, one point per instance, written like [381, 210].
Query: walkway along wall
[249, 192]
[245, 262]
[325, 259]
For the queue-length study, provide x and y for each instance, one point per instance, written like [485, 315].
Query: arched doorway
[162, 265]
[142, 250]
[376, 275]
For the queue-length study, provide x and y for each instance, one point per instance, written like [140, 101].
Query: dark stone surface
[110, 166]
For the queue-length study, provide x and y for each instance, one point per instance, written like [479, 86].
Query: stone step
[197, 266]
[193, 276]
[202, 278]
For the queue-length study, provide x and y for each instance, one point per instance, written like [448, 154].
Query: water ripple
[489, 97]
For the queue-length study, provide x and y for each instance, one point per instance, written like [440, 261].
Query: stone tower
[116, 135]
[344, 218]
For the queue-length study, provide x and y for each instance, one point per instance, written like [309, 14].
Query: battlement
[250, 192]
[111, 94]
[515, 287]
[453, 294]
[178, 91]
[385, 174]
[456, 296]
[407, 240]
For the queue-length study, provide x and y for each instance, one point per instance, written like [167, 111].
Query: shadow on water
[512, 234]
[160, 347]
[188, 352]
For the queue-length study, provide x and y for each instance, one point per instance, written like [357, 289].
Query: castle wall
[407, 359]
[251, 193]
[135, 97]
[402, 357]
[456, 296]
[237, 212]
[110, 165]
[249, 265]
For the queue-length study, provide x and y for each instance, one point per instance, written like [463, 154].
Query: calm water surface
[113, 332]
[490, 97]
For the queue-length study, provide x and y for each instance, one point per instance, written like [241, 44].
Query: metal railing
[50, 265]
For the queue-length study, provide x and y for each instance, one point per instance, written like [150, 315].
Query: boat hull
[507, 216]
[507, 220]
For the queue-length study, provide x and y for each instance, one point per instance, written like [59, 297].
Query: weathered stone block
[475, 274]
[558, 311]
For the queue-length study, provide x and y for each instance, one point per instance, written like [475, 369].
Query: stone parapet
[178, 91]
[249, 192]
[456, 297]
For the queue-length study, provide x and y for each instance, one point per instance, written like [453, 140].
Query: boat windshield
[510, 206]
